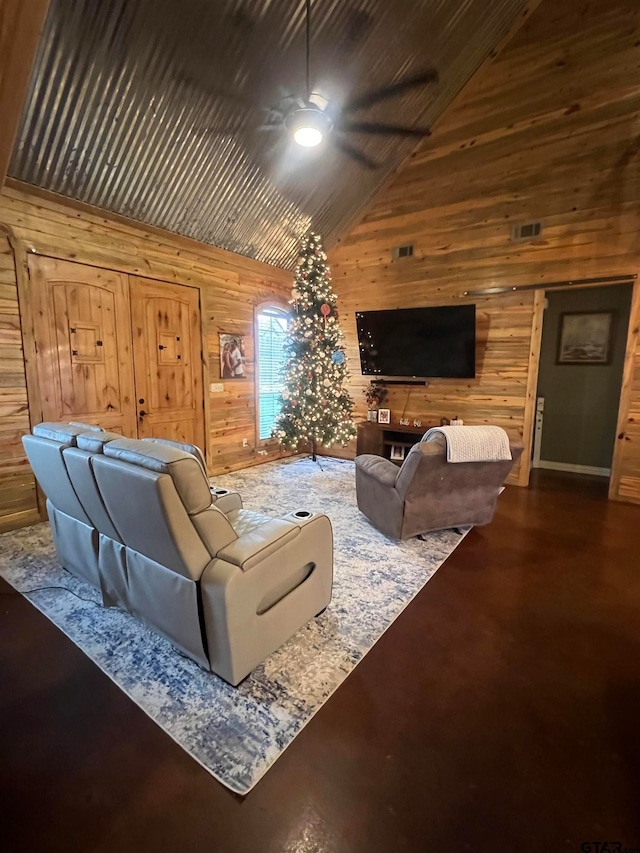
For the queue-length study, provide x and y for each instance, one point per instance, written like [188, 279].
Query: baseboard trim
[570, 468]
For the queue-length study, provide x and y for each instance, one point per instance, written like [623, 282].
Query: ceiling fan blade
[377, 95]
[379, 129]
[355, 153]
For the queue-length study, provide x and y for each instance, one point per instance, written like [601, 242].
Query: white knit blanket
[472, 443]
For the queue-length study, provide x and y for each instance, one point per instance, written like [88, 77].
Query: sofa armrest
[225, 499]
[376, 466]
[258, 544]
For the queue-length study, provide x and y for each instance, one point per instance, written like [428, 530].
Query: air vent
[527, 231]
[402, 251]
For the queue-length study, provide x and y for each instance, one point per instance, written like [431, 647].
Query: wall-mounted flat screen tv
[418, 343]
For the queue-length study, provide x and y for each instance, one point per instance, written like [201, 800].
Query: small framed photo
[232, 356]
[384, 416]
[584, 337]
[372, 415]
[397, 452]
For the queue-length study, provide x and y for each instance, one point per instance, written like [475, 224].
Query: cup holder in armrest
[220, 491]
[302, 513]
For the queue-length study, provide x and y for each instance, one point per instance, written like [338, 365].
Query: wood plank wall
[549, 130]
[232, 284]
[17, 487]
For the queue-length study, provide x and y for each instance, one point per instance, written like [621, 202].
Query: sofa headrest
[184, 469]
[62, 433]
[95, 440]
[181, 445]
[87, 427]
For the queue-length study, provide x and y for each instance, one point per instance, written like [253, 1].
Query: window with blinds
[272, 335]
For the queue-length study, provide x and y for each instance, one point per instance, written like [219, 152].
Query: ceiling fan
[312, 119]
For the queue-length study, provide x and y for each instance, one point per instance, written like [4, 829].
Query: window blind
[272, 336]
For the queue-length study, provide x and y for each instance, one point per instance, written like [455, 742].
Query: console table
[380, 438]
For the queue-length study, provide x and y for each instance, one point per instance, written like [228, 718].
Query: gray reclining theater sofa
[139, 520]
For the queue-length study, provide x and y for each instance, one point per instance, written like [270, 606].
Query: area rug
[238, 733]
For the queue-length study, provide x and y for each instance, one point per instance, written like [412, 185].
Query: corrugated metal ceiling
[150, 108]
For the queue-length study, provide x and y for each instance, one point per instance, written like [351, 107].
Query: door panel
[167, 360]
[82, 331]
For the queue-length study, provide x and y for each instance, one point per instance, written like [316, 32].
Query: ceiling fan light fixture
[308, 126]
[308, 137]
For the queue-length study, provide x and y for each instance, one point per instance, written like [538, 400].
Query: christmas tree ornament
[338, 357]
[325, 309]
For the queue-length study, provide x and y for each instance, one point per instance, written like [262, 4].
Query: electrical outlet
[216, 387]
[245, 442]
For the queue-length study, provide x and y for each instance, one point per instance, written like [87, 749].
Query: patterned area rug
[238, 733]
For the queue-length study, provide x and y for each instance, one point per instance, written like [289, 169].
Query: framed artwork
[384, 416]
[584, 337]
[232, 356]
[397, 452]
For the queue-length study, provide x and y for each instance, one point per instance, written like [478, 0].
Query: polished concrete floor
[500, 712]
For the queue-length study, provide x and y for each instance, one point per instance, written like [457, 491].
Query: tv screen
[418, 342]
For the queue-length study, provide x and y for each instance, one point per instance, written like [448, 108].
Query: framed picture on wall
[584, 337]
[232, 356]
[384, 416]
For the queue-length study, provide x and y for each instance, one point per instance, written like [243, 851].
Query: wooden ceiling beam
[21, 23]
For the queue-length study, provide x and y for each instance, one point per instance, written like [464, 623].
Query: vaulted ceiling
[152, 108]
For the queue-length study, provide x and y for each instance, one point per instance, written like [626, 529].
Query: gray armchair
[427, 492]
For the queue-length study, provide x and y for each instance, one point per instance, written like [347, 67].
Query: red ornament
[325, 309]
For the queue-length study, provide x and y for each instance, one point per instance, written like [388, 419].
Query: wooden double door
[120, 351]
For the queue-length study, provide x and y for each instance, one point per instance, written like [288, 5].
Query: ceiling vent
[402, 251]
[527, 231]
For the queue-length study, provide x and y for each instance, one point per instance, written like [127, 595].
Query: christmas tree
[316, 408]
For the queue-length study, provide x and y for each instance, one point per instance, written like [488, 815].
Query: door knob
[141, 414]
